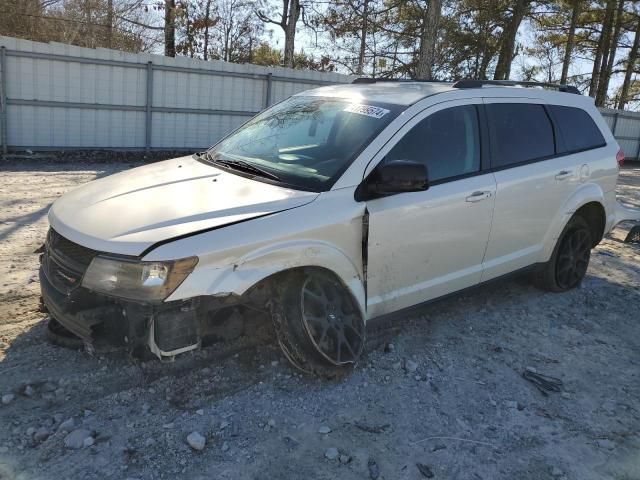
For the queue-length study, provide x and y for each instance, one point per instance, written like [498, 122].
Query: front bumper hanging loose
[167, 328]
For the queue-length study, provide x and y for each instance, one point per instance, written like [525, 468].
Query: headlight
[136, 280]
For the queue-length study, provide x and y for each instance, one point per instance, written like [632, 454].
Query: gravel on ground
[445, 398]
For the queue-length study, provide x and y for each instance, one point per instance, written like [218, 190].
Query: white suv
[335, 206]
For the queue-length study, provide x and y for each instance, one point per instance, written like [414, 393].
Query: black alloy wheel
[331, 320]
[573, 258]
[319, 326]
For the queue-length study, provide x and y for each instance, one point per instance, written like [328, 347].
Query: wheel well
[263, 289]
[270, 281]
[593, 213]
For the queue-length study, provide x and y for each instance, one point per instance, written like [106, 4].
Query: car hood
[128, 212]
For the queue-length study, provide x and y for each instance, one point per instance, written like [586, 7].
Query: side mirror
[397, 176]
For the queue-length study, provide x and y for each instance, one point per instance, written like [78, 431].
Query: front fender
[587, 193]
[257, 265]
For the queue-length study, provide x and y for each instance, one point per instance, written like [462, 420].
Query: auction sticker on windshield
[368, 110]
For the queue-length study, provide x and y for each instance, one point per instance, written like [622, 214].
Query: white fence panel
[55, 96]
[625, 126]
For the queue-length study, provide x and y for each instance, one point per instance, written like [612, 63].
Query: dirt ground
[448, 401]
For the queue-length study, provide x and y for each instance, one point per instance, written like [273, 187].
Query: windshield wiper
[245, 167]
[238, 165]
[206, 155]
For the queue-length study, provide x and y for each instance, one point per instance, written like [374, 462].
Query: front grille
[64, 262]
[68, 250]
[83, 312]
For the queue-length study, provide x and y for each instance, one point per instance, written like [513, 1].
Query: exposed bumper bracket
[167, 355]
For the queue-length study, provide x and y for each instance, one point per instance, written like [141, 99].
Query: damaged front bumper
[166, 329]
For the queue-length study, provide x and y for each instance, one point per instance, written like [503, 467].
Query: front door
[423, 245]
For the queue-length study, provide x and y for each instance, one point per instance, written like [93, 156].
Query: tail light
[620, 158]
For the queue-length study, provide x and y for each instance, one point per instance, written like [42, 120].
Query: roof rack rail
[375, 80]
[469, 83]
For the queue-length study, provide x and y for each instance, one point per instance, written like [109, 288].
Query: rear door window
[447, 142]
[520, 133]
[577, 129]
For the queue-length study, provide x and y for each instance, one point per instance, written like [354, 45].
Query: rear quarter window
[577, 129]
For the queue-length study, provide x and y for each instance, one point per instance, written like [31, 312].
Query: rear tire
[568, 264]
[318, 324]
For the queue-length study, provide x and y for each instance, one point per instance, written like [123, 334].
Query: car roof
[399, 93]
[410, 92]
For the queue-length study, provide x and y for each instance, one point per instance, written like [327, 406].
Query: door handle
[564, 174]
[477, 196]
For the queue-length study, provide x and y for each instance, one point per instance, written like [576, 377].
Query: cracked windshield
[305, 141]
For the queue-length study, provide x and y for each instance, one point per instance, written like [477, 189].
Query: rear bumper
[622, 214]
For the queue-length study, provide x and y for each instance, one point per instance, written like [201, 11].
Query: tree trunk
[225, 54]
[395, 58]
[607, 67]
[426, 55]
[476, 62]
[363, 37]
[484, 65]
[207, 16]
[110, 24]
[631, 63]
[603, 47]
[507, 48]
[290, 31]
[90, 40]
[568, 51]
[170, 28]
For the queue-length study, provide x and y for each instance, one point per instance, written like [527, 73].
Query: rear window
[578, 131]
[520, 132]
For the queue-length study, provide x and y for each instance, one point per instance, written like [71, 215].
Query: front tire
[568, 264]
[318, 324]
[58, 335]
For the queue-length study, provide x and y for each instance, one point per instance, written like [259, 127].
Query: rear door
[533, 181]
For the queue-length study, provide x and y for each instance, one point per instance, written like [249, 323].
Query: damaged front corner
[183, 326]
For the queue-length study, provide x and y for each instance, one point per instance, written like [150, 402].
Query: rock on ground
[78, 439]
[196, 441]
[332, 453]
[67, 426]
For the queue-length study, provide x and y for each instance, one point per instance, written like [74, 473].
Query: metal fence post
[3, 99]
[267, 100]
[148, 112]
[615, 123]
